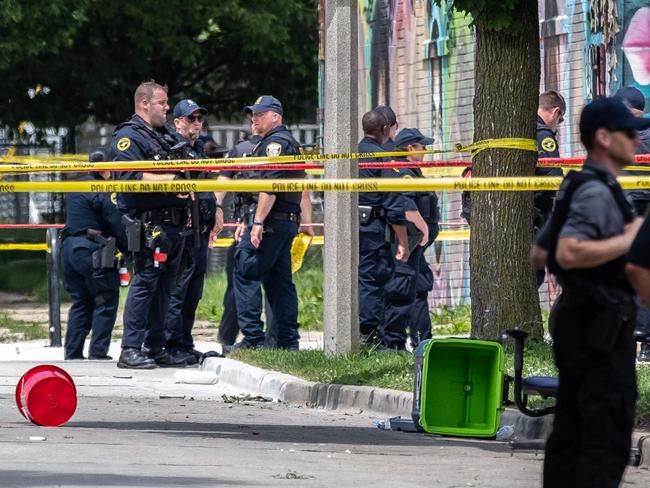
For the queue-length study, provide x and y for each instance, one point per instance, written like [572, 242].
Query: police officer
[633, 99]
[377, 211]
[155, 227]
[270, 223]
[391, 118]
[92, 236]
[228, 327]
[414, 310]
[187, 292]
[585, 242]
[550, 114]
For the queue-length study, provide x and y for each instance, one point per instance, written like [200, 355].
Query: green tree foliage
[64, 60]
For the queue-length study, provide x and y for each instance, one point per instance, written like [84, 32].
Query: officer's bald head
[375, 125]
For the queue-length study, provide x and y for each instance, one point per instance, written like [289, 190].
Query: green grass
[309, 286]
[368, 367]
[395, 370]
[451, 321]
[12, 330]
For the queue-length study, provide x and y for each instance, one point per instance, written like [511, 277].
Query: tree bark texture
[503, 289]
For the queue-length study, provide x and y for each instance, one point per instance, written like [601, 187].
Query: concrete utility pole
[341, 252]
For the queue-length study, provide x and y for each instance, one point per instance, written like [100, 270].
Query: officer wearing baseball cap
[585, 242]
[92, 235]
[187, 107]
[407, 291]
[269, 222]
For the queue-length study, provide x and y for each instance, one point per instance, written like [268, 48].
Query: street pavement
[143, 428]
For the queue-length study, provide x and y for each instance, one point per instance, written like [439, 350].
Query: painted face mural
[636, 46]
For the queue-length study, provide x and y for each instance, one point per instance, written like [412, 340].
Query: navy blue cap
[187, 107]
[610, 114]
[631, 97]
[388, 114]
[265, 103]
[98, 154]
[411, 136]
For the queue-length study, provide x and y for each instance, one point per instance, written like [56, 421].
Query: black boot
[134, 359]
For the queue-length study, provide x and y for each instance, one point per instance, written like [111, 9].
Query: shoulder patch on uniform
[114, 198]
[274, 149]
[549, 144]
[123, 144]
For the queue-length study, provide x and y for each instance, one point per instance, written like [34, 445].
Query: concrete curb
[291, 389]
[379, 401]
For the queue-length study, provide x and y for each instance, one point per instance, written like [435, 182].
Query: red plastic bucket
[46, 395]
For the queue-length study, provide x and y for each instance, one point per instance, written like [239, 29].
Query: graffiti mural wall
[418, 57]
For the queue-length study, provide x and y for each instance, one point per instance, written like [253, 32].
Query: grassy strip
[17, 330]
[309, 287]
[395, 370]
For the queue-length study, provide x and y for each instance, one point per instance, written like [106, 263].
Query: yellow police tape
[327, 185]
[74, 162]
[444, 235]
[23, 247]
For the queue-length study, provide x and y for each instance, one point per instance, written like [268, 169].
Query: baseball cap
[187, 107]
[388, 114]
[265, 103]
[611, 114]
[631, 97]
[98, 154]
[411, 136]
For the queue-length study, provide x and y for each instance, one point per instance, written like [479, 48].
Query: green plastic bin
[462, 387]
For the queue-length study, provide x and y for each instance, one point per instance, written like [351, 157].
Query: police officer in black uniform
[155, 227]
[187, 292]
[634, 100]
[228, 328]
[92, 237]
[270, 223]
[550, 114]
[412, 310]
[377, 211]
[585, 242]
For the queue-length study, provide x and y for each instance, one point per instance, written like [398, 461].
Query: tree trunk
[503, 290]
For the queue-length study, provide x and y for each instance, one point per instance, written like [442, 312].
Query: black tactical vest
[611, 273]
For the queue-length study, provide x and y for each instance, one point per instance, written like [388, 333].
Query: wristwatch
[257, 222]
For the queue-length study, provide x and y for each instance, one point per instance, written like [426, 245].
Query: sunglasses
[194, 118]
[630, 133]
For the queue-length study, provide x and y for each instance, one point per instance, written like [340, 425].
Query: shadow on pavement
[308, 434]
[25, 478]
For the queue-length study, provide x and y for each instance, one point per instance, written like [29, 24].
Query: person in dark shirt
[378, 211]
[412, 310]
[187, 292]
[163, 218]
[269, 224]
[633, 99]
[93, 230]
[585, 241]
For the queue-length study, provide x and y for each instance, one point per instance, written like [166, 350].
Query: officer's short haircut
[146, 89]
[373, 124]
[551, 99]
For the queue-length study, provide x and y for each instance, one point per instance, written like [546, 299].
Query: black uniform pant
[375, 269]
[148, 298]
[269, 265]
[228, 327]
[95, 295]
[595, 355]
[186, 294]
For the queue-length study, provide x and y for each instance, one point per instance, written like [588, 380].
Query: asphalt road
[125, 435]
